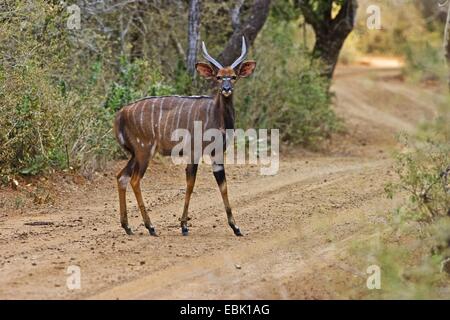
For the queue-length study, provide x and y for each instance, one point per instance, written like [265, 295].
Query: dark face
[226, 77]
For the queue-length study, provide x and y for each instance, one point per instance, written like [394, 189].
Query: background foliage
[60, 88]
[414, 248]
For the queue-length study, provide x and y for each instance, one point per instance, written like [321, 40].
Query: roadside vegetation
[60, 88]
[414, 251]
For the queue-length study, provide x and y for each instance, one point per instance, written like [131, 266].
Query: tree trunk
[235, 13]
[330, 33]
[327, 49]
[433, 10]
[249, 28]
[137, 37]
[447, 43]
[193, 35]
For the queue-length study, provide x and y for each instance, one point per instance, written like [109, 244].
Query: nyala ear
[246, 68]
[205, 70]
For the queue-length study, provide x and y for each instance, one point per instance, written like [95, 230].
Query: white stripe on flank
[159, 120]
[151, 121]
[179, 114]
[141, 119]
[189, 115]
[166, 116]
[207, 115]
[132, 114]
[179, 107]
[195, 113]
[135, 120]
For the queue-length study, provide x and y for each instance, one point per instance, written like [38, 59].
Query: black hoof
[152, 231]
[184, 231]
[236, 230]
[128, 231]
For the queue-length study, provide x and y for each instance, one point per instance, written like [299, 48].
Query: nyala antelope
[145, 127]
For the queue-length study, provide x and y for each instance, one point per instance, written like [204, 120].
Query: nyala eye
[233, 77]
[219, 77]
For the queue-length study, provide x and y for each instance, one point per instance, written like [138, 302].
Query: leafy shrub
[136, 79]
[415, 249]
[60, 88]
[409, 269]
[58, 105]
[404, 32]
[401, 22]
[423, 171]
[286, 91]
[425, 59]
[32, 107]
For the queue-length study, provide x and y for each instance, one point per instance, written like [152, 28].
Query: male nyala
[145, 127]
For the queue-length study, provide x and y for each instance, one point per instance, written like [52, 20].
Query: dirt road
[299, 225]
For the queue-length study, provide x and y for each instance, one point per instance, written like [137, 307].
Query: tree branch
[249, 29]
[193, 35]
[234, 15]
[344, 22]
[310, 16]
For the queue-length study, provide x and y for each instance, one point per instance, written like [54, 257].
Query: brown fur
[145, 127]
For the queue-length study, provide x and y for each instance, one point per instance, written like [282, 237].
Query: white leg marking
[123, 181]
[217, 167]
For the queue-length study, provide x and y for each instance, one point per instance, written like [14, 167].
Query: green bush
[425, 59]
[404, 33]
[415, 247]
[423, 170]
[136, 80]
[58, 105]
[60, 88]
[32, 106]
[286, 92]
